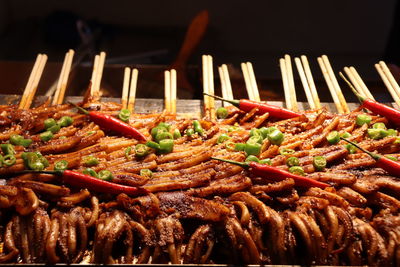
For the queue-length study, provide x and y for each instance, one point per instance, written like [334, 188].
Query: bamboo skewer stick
[60, 78]
[211, 87]
[310, 80]
[354, 81]
[35, 82]
[63, 80]
[282, 65]
[330, 86]
[94, 74]
[223, 84]
[247, 81]
[292, 90]
[205, 85]
[227, 82]
[335, 83]
[132, 89]
[173, 90]
[167, 91]
[388, 84]
[389, 75]
[304, 81]
[253, 82]
[99, 74]
[29, 83]
[361, 83]
[125, 87]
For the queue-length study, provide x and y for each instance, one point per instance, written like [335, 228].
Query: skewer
[223, 84]
[99, 74]
[305, 84]
[211, 87]
[29, 83]
[253, 82]
[227, 82]
[310, 80]
[354, 81]
[247, 81]
[361, 83]
[125, 87]
[205, 85]
[63, 80]
[330, 85]
[292, 91]
[94, 74]
[388, 84]
[132, 89]
[282, 65]
[35, 82]
[390, 77]
[167, 91]
[173, 90]
[335, 83]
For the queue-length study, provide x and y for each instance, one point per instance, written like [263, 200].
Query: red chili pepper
[273, 173]
[247, 105]
[81, 180]
[391, 166]
[110, 123]
[390, 113]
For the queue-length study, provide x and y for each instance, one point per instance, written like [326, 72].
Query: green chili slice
[91, 161]
[292, 161]
[49, 123]
[141, 150]
[222, 138]
[8, 149]
[166, 146]
[105, 175]
[61, 165]
[251, 158]
[319, 163]
[65, 121]
[333, 137]
[296, 170]
[363, 119]
[91, 172]
[222, 113]
[124, 115]
[146, 173]
[9, 160]
[46, 136]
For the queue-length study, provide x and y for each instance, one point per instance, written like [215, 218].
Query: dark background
[357, 33]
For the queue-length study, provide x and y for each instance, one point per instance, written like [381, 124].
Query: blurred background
[150, 34]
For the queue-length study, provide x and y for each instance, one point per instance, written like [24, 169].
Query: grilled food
[194, 209]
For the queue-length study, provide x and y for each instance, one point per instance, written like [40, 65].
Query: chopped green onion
[392, 132]
[333, 137]
[9, 160]
[276, 137]
[164, 125]
[49, 123]
[141, 150]
[230, 146]
[251, 158]
[296, 170]
[91, 161]
[222, 138]
[233, 128]
[319, 163]
[146, 173]
[153, 145]
[177, 134]
[352, 149]
[46, 136]
[124, 115]
[8, 149]
[363, 119]
[252, 149]
[222, 113]
[292, 161]
[166, 146]
[266, 161]
[379, 125]
[61, 165]
[128, 152]
[197, 127]
[286, 151]
[345, 135]
[91, 172]
[65, 121]
[239, 146]
[377, 133]
[189, 132]
[161, 135]
[54, 129]
[105, 175]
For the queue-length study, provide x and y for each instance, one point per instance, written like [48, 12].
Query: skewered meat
[197, 210]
